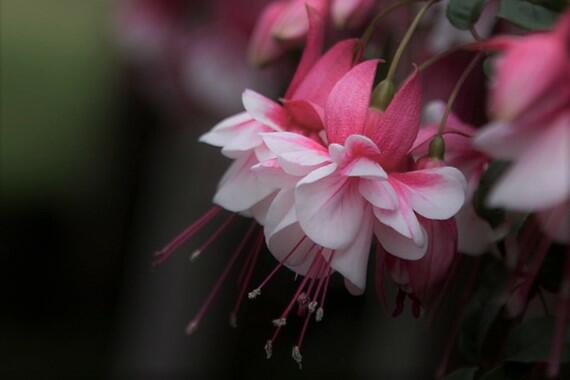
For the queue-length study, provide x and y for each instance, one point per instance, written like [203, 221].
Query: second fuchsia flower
[531, 103]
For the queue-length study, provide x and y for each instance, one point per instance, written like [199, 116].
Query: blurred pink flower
[284, 24]
[531, 104]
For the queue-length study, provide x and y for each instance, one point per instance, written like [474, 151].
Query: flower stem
[406, 39]
[367, 35]
[456, 90]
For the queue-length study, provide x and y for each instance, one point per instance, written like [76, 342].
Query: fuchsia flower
[360, 180]
[284, 24]
[241, 189]
[531, 104]
[475, 234]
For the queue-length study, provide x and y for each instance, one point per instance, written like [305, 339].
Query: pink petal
[351, 12]
[312, 50]
[435, 265]
[404, 221]
[240, 188]
[283, 240]
[352, 262]
[506, 140]
[329, 208]
[379, 194]
[293, 23]
[305, 114]
[271, 173]
[542, 60]
[297, 154]
[361, 146]
[436, 193]
[347, 106]
[398, 127]
[364, 168]
[265, 110]
[281, 212]
[262, 46]
[399, 245]
[540, 178]
[325, 73]
[236, 135]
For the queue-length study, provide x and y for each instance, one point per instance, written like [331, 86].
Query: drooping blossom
[530, 102]
[419, 279]
[284, 24]
[475, 234]
[245, 190]
[360, 181]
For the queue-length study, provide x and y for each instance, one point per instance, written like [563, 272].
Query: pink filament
[281, 263]
[301, 286]
[217, 233]
[217, 286]
[169, 249]
[255, 253]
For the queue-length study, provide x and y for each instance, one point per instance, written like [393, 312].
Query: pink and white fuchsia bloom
[241, 189]
[359, 181]
[532, 125]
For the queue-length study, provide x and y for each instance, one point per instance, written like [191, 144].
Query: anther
[268, 349]
[319, 314]
[280, 322]
[191, 327]
[296, 355]
[195, 255]
[313, 306]
[254, 293]
[233, 320]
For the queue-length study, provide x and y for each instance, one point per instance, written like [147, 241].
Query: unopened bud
[437, 148]
[383, 94]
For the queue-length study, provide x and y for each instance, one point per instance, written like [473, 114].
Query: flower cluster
[339, 165]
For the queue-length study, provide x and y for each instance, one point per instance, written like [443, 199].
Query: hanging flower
[365, 183]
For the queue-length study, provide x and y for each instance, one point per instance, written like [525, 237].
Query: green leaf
[528, 15]
[463, 14]
[492, 215]
[462, 374]
[531, 341]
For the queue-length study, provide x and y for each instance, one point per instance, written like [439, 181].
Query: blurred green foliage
[56, 88]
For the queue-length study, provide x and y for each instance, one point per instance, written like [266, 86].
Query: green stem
[406, 40]
[456, 90]
[367, 35]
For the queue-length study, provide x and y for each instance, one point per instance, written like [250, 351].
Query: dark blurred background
[98, 171]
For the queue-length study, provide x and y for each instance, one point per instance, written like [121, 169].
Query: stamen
[320, 313]
[195, 227]
[296, 355]
[257, 291]
[212, 238]
[193, 325]
[255, 255]
[268, 349]
[279, 322]
[283, 318]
